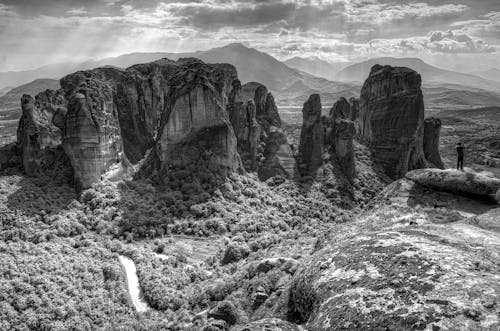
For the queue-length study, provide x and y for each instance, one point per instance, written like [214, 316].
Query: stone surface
[454, 181]
[269, 324]
[311, 136]
[432, 127]
[391, 118]
[37, 137]
[402, 277]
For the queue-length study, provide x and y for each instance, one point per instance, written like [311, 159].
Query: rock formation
[340, 131]
[91, 131]
[432, 127]
[341, 109]
[344, 132]
[175, 113]
[391, 118]
[311, 136]
[261, 142]
[37, 137]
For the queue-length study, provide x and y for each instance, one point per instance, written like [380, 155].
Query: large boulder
[311, 136]
[37, 136]
[432, 128]
[391, 118]
[408, 277]
[457, 182]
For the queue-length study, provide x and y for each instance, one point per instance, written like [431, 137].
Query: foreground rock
[405, 276]
[457, 182]
[391, 118]
[432, 128]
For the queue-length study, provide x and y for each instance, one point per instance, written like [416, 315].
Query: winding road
[134, 289]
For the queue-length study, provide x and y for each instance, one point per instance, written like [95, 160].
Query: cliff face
[197, 127]
[391, 118]
[91, 131]
[432, 128]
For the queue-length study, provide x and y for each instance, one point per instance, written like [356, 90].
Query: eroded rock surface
[391, 118]
[432, 128]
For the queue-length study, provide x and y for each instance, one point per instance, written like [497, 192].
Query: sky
[462, 35]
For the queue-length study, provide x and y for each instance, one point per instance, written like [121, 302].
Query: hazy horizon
[463, 35]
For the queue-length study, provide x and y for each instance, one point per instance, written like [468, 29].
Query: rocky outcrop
[457, 182]
[262, 144]
[341, 110]
[311, 136]
[403, 278]
[432, 128]
[37, 136]
[340, 131]
[344, 132]
[391, 118]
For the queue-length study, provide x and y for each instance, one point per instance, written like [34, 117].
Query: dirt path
[134, 289]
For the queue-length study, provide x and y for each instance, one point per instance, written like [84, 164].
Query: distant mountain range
[291, 86]
[430, 74]
[491, 74]
[12, 99]
[316, 66]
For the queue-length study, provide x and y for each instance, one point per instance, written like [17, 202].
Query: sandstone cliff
[391, 118]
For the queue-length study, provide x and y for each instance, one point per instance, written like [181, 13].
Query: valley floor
[61, 258]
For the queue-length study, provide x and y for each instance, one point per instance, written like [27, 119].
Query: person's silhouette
[460, 156]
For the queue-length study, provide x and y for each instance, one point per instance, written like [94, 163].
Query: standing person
[460, 156]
